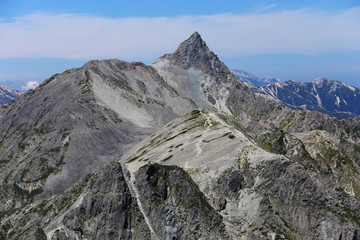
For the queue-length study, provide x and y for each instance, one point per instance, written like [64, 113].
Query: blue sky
[290, 39]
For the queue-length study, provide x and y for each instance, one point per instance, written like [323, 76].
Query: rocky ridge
[241, 169]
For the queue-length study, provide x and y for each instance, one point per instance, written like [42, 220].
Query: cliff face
[163, 204]
[177, 150]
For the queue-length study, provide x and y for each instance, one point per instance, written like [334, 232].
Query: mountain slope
[258, 193]
[242, 168]
[178, 183]
[77, 122]
[252, 79]
[334, 98]
[7, 95]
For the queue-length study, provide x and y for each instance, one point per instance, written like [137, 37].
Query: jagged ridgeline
[177, 150]
[322, 95]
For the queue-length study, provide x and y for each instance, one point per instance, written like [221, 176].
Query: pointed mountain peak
[194, 53]
[194, 39]
[192, 48]
[195, 34]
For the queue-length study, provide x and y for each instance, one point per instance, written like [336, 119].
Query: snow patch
[318, 99]
[349, 87]
[337, 101]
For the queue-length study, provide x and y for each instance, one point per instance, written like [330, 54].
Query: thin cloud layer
[85, 37]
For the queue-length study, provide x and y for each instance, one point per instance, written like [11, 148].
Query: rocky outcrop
[103, 207]
[168, 194]
[99, 207]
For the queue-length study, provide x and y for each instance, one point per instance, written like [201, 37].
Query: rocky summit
[180, 149]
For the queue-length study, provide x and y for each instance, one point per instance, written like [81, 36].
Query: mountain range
[253, 80]
[8, 95]
[180, 149]
[323, 95]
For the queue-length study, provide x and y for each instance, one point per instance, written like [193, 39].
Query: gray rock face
[103, 207]
[108, 210]
[100, 207]
[241, 168]
[168, 194]
[293, 196]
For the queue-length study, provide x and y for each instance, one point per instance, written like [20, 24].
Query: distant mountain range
[323, 95]
[7, 95]
[253, 80]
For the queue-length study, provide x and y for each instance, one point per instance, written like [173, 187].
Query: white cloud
[86, 37]
[30, 85]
